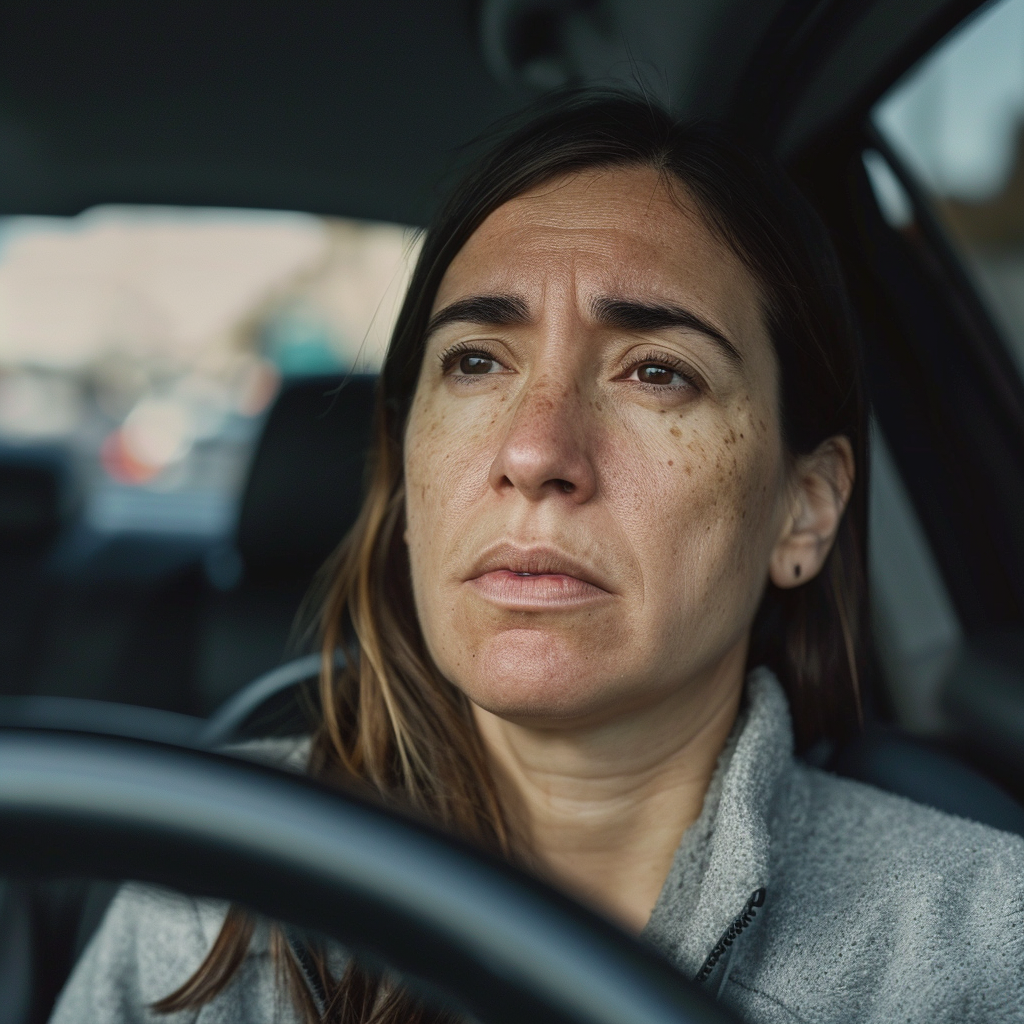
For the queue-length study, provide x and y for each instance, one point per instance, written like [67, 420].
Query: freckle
[676, 432]
[670, 462]
[662, 411]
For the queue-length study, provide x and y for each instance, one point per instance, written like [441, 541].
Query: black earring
[796, 571]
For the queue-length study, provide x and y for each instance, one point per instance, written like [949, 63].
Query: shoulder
[898, 905]
[151, 941]
[887, 833]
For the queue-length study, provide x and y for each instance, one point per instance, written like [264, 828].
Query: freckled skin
[679, 523]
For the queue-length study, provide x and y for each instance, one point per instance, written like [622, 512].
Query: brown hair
[391, 722]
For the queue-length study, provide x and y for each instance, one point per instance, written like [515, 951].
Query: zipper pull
[747, 915]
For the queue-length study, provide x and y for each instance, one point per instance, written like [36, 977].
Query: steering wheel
[451, 919]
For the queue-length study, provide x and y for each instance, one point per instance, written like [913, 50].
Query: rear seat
[179, 625]
[302, 495]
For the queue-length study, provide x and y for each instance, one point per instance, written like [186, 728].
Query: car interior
[364, 112]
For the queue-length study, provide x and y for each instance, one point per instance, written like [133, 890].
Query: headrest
[306, 480]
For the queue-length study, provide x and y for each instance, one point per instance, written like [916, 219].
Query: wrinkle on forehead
[630, 231]
[607, 192]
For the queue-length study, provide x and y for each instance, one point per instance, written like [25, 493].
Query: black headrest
[306, 480]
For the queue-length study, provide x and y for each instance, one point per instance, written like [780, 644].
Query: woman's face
[595, 476]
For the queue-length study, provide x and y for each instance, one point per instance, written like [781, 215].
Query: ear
[820, 488]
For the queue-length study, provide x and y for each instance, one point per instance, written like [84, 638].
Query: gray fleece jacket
[795, 897]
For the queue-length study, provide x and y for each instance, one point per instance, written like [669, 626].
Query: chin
[526, 674]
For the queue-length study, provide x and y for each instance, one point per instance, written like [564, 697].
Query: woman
[609, 561]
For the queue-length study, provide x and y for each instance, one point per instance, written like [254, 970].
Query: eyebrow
[626, 314]
[486, 310]
[633, 315]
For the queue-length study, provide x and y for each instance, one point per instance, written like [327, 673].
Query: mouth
[535, 578]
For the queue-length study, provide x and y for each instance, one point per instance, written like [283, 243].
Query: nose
[546, 449]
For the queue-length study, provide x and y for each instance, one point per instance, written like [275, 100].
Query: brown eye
[476, 363]
[651, 373]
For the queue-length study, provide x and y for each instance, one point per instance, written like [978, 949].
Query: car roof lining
[362, 110]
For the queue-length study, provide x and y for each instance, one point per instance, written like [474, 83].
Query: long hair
[391, 722]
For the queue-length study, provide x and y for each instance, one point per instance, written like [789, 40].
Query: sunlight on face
[594, 468]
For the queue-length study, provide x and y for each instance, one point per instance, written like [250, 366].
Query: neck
[604, 805]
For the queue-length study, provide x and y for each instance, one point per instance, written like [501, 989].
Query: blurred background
[148, 342]
[153, 552]
[956, 122]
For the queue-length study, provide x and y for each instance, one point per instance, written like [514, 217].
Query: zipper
[721, 947]
[313, 981]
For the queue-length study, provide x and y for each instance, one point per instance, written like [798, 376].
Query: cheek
[746, 477]
[445, 469]
[700, 501]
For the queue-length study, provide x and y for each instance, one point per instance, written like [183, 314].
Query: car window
[950, 149]
[955, 123]
[147, 343]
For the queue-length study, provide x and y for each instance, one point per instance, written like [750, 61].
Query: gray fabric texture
[795, 897]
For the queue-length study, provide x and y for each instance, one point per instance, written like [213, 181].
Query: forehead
[618, 231]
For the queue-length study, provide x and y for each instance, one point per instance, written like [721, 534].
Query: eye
[661, 375]
[462, 361]
[652, 373]
[478, 363]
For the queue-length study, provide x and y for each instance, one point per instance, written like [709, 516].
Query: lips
[535, 577]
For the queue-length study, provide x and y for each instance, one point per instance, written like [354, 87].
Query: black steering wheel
[502, 945]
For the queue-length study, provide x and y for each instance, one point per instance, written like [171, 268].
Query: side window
[953, 134]
[956, 124]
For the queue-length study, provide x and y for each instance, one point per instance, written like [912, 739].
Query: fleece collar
[722, 860]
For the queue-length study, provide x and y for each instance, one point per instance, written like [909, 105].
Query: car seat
[302, 494]
[167, 623]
